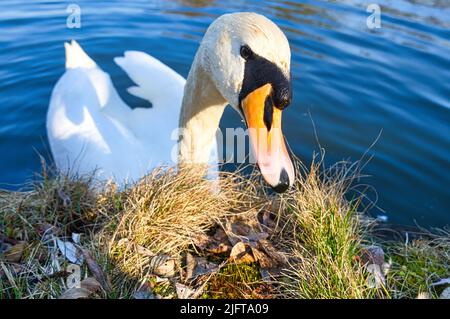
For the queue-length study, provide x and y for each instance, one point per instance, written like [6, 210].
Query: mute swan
[243, 60]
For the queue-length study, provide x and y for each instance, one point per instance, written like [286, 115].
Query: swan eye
[246, 52]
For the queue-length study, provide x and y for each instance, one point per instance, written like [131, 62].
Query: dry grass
[316, 227]
[165, 211]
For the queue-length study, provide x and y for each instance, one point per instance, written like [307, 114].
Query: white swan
[243, 60]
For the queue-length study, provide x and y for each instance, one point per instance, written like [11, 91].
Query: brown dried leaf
[163, 265]
[237, 231]
[220, 235]
[95, 269]
[220, 249]
[244, 231]
[204, 267]
[373, 255]
[264, 260]
[267, 247]
[144, 251]
[217, 244]
[90, 284]
[185, 292]
[241, 253]
[201, 241]
[88, 287]
[240, 228]
[264, 291]
[190, 266]
[199, 266]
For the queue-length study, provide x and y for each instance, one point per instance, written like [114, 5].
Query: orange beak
[267, 140]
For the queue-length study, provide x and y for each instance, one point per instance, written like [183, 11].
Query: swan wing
[155, 81]
[82, 136]
[90, 128]
[163, 88]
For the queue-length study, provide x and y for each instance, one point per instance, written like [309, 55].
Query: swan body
[90, 128]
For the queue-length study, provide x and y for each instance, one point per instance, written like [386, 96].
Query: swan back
[90, 128]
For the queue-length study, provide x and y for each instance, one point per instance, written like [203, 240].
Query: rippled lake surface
[352, 85]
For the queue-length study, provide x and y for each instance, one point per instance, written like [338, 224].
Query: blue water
[350, 82]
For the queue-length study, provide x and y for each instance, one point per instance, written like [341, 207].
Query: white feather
[90, 127]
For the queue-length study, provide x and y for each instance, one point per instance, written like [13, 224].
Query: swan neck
[201, 111]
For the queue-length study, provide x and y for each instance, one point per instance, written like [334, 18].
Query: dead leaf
[264, 291]
[163, 265]
[144, 251]
[96, 270]
[88, 287]
[245, 232]
[237, 231]
[216, 244]
[220, 235]
[267, 247]
[76, 238]
[263, 259]
[241, 253]
[373, 255]
[14, 253]
[144, 293]
[90, 284]
[190, 266]
[70, 251]
[204, 267]
[201, 241]
[185, 292]
[199, 266]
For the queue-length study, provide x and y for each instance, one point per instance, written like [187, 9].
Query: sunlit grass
[319, 231]
[327, 237]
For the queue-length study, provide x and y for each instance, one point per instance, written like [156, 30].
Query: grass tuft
[327, 236]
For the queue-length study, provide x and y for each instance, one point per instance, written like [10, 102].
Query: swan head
[248, 59]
